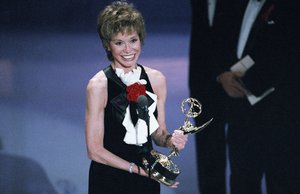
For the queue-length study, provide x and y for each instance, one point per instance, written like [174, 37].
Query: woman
[116, 136]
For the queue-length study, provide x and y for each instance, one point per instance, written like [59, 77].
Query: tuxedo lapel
[261, 21]
[204, 8]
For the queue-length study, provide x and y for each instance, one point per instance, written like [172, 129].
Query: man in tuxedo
[263, 135]
[210, 143]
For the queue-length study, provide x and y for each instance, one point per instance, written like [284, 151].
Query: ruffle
[137, 134]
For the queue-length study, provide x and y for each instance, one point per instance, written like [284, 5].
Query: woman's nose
[127, 48]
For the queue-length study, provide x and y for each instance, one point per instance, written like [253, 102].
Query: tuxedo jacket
[273, 44]
[202, 80]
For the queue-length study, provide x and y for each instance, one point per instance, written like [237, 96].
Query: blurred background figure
[255, 60]
[210, 143]
[22, 175]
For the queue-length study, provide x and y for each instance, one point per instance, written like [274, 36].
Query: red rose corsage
[134, 91]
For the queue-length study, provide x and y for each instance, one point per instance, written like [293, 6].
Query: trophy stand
[160, 166]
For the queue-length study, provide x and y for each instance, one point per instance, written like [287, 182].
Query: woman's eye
[134, 40]
[118, 43]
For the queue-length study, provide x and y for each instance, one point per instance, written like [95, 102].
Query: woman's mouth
[128, 57]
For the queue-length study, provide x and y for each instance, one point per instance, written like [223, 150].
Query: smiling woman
[117, 137]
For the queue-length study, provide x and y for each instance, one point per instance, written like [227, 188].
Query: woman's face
[125, 49]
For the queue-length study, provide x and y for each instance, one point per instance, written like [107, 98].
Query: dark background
[81, 15]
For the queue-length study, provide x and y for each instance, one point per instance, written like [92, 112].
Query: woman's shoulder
[97, 82]
[156, 78]
[154, 73]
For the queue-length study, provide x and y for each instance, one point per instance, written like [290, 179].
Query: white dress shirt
[211, 7]
[253, 8]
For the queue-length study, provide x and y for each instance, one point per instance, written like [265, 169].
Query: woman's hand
[178, 139]
[175, 185]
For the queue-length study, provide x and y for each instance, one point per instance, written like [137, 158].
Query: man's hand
[232, 85]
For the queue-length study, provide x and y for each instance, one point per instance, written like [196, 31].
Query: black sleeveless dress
[104, 179]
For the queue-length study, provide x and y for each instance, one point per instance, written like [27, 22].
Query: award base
[161, 168]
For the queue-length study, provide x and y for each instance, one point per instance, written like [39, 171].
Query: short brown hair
[119, 17]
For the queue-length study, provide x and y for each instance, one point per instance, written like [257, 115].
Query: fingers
[232, 85]
[179, 139]
[175, 185]
[144, 172]
[236, 89]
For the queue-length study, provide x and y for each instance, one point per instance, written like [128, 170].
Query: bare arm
[94, 126]
[161, 136]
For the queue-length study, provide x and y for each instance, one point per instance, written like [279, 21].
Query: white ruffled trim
[137, 135]
[131, 77]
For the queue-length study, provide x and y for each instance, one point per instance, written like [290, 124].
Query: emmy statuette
[161, 166]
